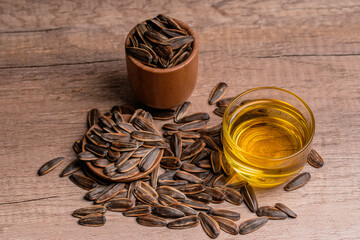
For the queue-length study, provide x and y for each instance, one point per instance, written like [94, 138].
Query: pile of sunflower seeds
[191, 174]
[160, 43]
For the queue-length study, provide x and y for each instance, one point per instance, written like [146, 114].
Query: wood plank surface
[59, 59]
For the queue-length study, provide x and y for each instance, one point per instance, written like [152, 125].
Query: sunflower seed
[92, 117]
[81, 212]
[167, 200]
[252, 224]
[50, 165]
[193, 149]
[144, 196]
[224, 102]
[96, 140]
[314, 159]
[285, 209]
[151, 221]
[232, 196]
[196, 205]
[92, 220]
[144, 124]
[185, 209]
[82, 181]
[220, 111]
[194, 117]
[124, 146]
[140, 152]
[139, 54]
[191, 188]
[213, 130]
[168, 212]
[95, 193]
[249, 197]
[170, 162]
[205, 153]
[182, 110]
[149, 159]
[191, 168]
[215, 159]
[98, 151]
[193, 126]
[210, 226]
[174, 183]
[201, 197]
[216, 195]
[224, 213]
[217, 93]
[119, 205]
[178, 42]
[128, 165]
[154, 177]
[124, 157]
[188, 177]
[163, 114]
[205, 163]
[140, 210]
[299, 181]
[71, 168]
[109, 192]
[77, 146]
[172, 192]
[176, 144]
[126, 175]
[226, 225]
[184, 222]
[271, 212]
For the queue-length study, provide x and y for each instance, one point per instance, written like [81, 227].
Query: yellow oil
[265, 136]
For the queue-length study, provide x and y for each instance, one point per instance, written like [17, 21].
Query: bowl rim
[309, 142]
[193, 53]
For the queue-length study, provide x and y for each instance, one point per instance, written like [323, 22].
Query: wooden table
[59, 59]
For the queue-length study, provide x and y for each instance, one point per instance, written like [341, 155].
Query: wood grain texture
[58, 59]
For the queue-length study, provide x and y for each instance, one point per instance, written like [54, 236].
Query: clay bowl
[99, 172]
[164, 88]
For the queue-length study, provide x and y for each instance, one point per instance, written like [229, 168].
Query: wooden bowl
[168, 87]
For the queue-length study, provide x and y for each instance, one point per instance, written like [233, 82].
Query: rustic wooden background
[58, 59]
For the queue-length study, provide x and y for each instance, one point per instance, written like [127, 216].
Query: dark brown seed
[232, 196]
[201, 197]
[121, 194]
[187, 142]
[226, 225]
[210, 143]
[194, 117]
[176, 144]
[237, 185]
[216, 195]
[148, 188]
[82, 181]
[314, 159]
[168, 174]
[210, 226]
[252, 224]
[123, 157]
[299, 181]
[205, 153]
[182, 110]
[140, 152]
[180, 56]
[110, 170]
[110, 191]
[71, 168]
[92, 220]
[225, 165]
[172, 192]
[144, 124]
[159, 144]
[285, 209]
[115, 137]
[171, 126]
[98, 151]
[170, 162]
[204, 163]
[139, 54]
[106, 121]
[129, 174]
[163, 114]
[126, 127]
[173, 32]
[149, 159]
[271, 212]
[138, 112]
[95, 139]
[224, 213]
[191, 168]
[81, 212]
[130, 193]
[213, 130]
[217, 93]
[185, 135]
[124, 146]
[219, 180]
[220, 111]
[165, 52]
[128, 165]
[167, 200]
[50, 165]
[193, 126]
[185, 209]
[92, 117]
[141, 29]
[144, 196]
[215, 159]
[140, 210]
[249, 197]
[168, 212]
[151, 221]
[87, 156]
[193, 149]
[95, 193]
[184, 222]
[188, 177]
[173, 183]
[77, 146]
[154, 177]
[191, 188]
[117, 117]
[113, 155]
[120, 205]
[178, 42]
[156, 37]
[208, 181]
[224, 102]
[196, 205]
